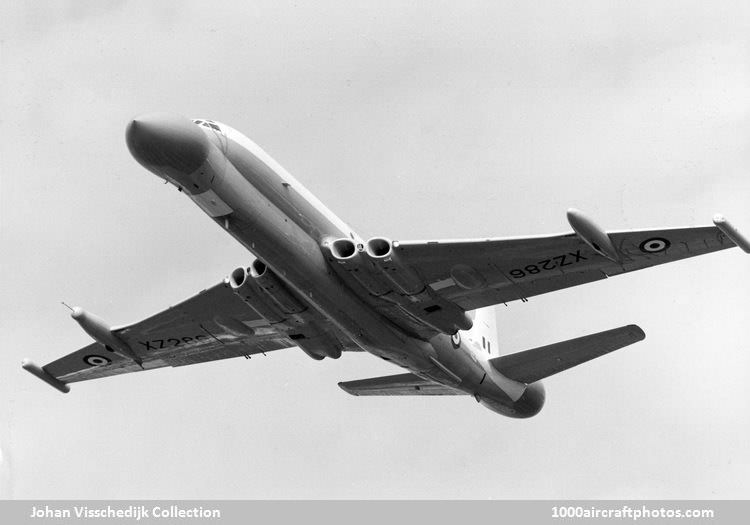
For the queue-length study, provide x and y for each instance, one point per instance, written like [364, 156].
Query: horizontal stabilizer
[532, 365]
[398, 385]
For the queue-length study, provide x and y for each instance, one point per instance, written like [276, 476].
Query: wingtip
[36, 370]
[637, 332]
[734, 235]
[342, 386]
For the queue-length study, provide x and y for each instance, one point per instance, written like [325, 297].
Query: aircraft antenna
[66, 306]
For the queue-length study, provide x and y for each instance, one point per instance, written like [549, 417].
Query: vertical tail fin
[485, 330]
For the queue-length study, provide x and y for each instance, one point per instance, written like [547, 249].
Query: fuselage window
[488, 347]
[484, 344]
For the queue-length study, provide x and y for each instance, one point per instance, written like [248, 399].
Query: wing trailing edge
[532, 365]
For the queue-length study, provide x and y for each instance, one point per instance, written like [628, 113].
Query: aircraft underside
[426, 306]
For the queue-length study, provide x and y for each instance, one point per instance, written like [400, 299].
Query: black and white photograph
[374, 251]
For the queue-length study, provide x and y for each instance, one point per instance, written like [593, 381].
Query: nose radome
[163, 142]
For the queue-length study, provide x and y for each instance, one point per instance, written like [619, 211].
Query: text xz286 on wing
[558, 261]
[171, 342]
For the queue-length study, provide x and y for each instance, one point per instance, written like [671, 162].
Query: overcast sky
[409, 120]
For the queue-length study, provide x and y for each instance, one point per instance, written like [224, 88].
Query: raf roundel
[654, 245]
[96, 360]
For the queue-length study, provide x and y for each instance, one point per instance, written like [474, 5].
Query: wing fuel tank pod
[101, 332]
[592, 234]
[728, 229]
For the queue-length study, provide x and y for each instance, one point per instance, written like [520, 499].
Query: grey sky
[409, 120]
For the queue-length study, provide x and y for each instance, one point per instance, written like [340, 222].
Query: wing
[398, 385]
[477, 273]
[536, 364]
[214, 324]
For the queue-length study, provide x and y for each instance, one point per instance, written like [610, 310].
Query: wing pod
[102, 333]
[592, 234]
[728, 229]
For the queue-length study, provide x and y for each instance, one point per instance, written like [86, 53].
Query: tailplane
[536, 364]
[398, 385]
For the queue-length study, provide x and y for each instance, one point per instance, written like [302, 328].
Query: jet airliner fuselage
[281, 223]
